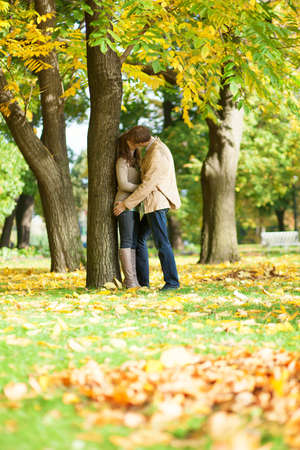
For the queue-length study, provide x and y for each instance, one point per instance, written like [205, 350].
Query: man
[159, 192]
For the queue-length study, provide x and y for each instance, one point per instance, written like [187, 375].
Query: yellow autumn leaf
[120, 309]
[44, 381]
[110, 286]
[273, 328]
[70, 398]
[154, 365]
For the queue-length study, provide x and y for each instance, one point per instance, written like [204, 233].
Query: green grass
[38, 322]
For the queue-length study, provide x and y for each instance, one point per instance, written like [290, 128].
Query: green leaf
[205, 50]
[103, 47]
[157, 66]
[87, 8]
[102, 43]
[234, 87]
[112, 45]
[114, 35]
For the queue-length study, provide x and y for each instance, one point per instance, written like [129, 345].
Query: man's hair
[138, 134]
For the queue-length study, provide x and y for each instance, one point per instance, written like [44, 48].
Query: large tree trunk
[105, 84]
[7, 229]
[280, 218]
[218, 177]
[175, 234]
[24, 211]
[47, 158]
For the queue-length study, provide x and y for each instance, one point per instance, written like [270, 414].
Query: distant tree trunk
[24, 211]
[7, 229]
[105, 84]
[218, 177]
[295, 207]
[280, 218]
[167, 109]
[174, 228]
[175, 234]
[47, 157]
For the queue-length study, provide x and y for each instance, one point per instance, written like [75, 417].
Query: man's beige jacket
[158, 189]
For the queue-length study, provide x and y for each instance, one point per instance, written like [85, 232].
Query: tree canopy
[250, 44]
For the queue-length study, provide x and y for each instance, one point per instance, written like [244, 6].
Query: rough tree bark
[7, 229]
[218, 177]
[105, 84]
[48, 159]
[24, 211]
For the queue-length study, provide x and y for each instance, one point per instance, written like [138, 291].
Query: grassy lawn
[213, 365]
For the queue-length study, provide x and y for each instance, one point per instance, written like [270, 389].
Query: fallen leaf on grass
[11, 425]
[15, 391]
[44, 381]
[240, 296]
[153, 366]
[110, 286]
[140, 438]
[22, 342]
[273, 328]
[118, 343]
[35, 385]
[52, 415]
[120, 309]
[90, 437]
[69, 398]
[178, 356]
[134, 420]
[75, 346]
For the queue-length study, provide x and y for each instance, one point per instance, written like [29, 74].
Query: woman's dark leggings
[128, 227]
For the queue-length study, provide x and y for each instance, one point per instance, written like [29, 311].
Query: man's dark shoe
[168, 287]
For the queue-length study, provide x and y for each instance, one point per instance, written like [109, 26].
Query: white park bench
[279, 238]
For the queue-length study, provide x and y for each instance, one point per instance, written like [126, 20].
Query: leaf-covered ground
[214, 365]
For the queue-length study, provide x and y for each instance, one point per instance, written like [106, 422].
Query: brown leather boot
[126, 263]
[133, 259]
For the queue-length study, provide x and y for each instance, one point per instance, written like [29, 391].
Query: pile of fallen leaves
[236, 394]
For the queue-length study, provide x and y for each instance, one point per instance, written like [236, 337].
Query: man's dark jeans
[155, 223]
[128, 227]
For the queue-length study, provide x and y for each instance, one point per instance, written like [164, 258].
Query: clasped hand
[119, 207]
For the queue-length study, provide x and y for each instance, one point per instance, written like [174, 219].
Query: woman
[128, 178]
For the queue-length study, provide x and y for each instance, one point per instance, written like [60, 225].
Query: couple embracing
[147, 184]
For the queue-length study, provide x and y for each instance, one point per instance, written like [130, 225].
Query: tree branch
[169, 75]
[35, 153]
[129, 49]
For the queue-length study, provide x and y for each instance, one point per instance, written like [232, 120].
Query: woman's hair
[139, 134]
[133, 158]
